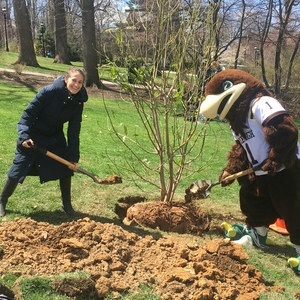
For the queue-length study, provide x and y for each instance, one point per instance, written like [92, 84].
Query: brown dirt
[118, 259]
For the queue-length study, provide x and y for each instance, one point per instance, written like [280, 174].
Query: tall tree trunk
[61, 46]
[290, 66]
[90, 57]
[240, 39]
[26, 55]
[284, 20]
[264, 36]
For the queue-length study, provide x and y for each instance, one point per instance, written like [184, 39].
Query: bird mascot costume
[265, 136]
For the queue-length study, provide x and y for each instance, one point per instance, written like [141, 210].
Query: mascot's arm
[282, 135]
[237, 161]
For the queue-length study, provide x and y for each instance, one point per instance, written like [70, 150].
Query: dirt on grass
[118, 259]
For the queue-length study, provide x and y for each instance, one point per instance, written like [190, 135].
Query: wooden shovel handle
[239, 174]
[64, 161]
[245, 172]
[234, 176]
[58, 158]
[109, 180]
[67, 163]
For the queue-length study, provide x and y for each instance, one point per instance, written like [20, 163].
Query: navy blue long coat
[43, 121]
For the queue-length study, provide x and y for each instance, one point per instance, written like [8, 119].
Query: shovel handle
[56, 157]
[245, 172]
[64, 161]
[108, 180]
[230, 177]
[67, 163]
[239, 174]
[52, 155]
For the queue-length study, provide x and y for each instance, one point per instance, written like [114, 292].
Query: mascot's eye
[227, 85]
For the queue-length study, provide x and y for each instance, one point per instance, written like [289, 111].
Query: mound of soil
[119, 260]
[179, 217]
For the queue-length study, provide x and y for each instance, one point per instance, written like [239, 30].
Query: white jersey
[255, 144]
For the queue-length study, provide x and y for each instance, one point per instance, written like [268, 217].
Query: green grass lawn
[103, 155]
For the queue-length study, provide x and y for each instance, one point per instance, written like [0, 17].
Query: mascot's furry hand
[271, 167]
[222, 178]
[237, 161]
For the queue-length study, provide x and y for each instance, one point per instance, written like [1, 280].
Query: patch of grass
[40, 288]
[145, 293]
[37, 288]
[8, 280]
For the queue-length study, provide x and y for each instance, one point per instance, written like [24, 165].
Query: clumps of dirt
[124, 203]
[119, 260]
[113, 179]
[176, 217]
[75, 286]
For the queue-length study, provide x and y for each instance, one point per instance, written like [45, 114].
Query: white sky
[122, 5]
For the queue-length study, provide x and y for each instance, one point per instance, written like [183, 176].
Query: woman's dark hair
[73, 70]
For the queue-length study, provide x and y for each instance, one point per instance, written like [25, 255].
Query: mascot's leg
[256, 205]
[285, 192]
[294, 262]
[258, 236]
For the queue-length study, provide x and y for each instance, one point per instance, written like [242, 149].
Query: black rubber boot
[65, 188]
[9, 188]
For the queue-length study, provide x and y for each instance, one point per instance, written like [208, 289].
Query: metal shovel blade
[200, 189]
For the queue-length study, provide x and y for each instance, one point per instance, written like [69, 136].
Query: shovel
[109, 180]
[202, 188]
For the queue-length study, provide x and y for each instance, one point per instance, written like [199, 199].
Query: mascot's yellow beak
[214, 105]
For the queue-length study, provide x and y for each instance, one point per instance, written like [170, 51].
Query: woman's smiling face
[74, 82]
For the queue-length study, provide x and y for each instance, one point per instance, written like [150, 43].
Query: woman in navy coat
[42, 123]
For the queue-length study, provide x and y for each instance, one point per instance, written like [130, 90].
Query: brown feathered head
[228, 95]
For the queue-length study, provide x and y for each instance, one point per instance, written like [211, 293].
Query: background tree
[263, 28]
[27, 53]
[284, 12]
[261, 37]
[90, 57]
[61, 46]
[241, 32]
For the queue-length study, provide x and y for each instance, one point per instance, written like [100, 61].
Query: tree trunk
[290, 66]
[264, 36]
[26, 55]
[90, 57]
[240, 39]
[279, 45]
[61, 46]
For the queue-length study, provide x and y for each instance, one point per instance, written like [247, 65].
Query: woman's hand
[74, 166]
[28, 143]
